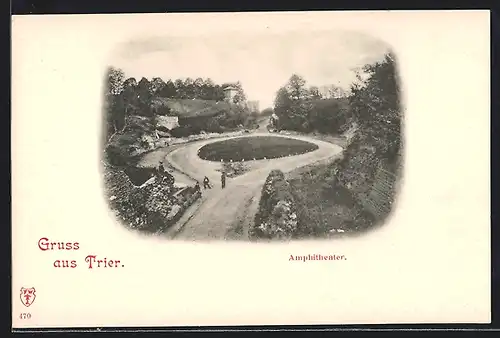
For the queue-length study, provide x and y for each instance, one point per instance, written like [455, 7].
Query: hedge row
[276, 217]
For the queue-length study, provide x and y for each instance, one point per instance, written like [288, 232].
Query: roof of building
[230, 88]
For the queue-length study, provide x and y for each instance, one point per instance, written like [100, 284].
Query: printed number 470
[25, 315]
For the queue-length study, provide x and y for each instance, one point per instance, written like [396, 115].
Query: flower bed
[254, 148]
[276, 217]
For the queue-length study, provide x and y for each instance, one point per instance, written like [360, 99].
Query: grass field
[323, 205]
[254, 148]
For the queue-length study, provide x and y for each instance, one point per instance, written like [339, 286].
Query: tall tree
[240, 96]
[127, 100]
[115, 79]
[296, 87]
[218, 93]
[113, 89]
[376, 106]
[198, 88]
[292, 105]
[189, 88]
[168, 91]
[156, 86]
[314, 93]
[144, 97]
[180, 89]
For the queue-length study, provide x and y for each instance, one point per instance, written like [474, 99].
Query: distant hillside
[192, 107]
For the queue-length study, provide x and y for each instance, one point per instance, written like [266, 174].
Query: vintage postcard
[250, 169]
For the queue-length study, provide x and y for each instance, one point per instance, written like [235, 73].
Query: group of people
[208, 185]
[206, 181]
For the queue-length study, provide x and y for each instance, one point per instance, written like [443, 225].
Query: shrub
[183, 131]
[116, 155]
[233, 169]
[276, 217]
[139, 176]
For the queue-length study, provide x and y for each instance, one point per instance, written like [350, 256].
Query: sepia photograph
[255, 137]
[250, 169]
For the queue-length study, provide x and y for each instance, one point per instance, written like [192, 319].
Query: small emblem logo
[27, 296]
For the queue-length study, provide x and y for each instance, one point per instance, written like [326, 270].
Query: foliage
[153, 206]
[267, 112]
[138, 176]
[234, 169]
[134, 137]
[182, 131]
[375, 103]
[180, 97]
[334, 196]
[306, 109]
[276, 217]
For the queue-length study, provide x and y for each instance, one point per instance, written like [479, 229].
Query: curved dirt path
[228, 213]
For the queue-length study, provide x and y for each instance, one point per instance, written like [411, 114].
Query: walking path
[228, 213]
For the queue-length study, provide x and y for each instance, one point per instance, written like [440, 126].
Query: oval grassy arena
[254, 148]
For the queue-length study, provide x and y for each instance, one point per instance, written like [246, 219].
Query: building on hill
[230, 92]
[164, 124]
[167, 122]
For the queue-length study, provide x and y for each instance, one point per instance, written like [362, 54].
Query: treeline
[307, 109]
[127, 96]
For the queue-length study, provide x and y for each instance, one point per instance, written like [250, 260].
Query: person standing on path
[223, 179]
[206, 183]
[161, 169]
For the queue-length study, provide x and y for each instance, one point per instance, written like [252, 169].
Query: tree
[168, 91]
[128, 100]
[198, 88]
[208, 90]
[180, 89]
[218, 94]
[115, 79]
[376, 107]
[296, 87]
[329, 116]
[144, 97]
[292, 105]
[240, 96]
[156, 86]
[113, 88]
[314, 93]
[189, 88]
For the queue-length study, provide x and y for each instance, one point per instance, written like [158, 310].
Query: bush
[154, 207]
[233, 169]
[183, 131]
[116, 155]
[139, 176]
[277, 216]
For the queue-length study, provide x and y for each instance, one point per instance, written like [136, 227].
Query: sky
[262, 63]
